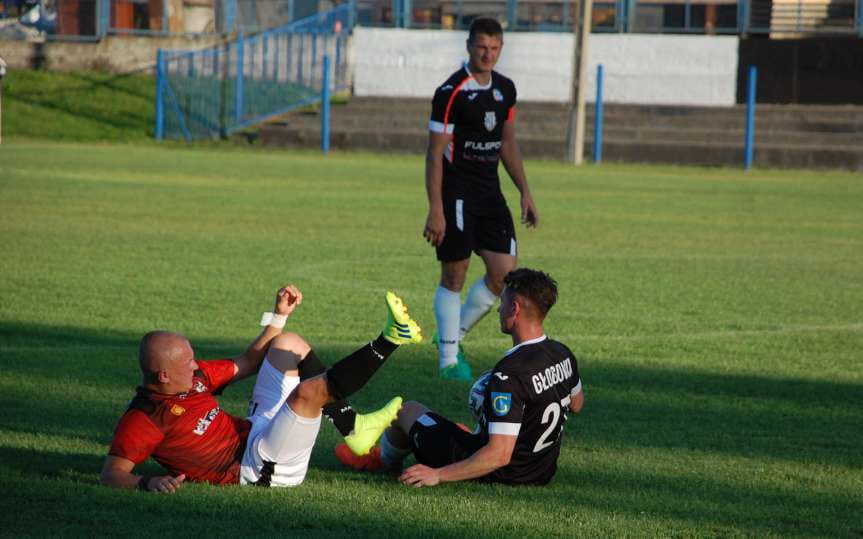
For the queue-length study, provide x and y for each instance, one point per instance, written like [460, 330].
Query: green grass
[78, 106]
[717, 317]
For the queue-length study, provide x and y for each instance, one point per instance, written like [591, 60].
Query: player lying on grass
[176, 419]
[523, 406]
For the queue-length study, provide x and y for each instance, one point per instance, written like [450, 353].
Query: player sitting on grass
[176, 419]
[524, 405]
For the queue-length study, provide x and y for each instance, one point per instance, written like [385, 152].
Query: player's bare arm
[249, 362]
[495, 454]
[435, 222]
[514, 165]
[576, 402]
[117, 472]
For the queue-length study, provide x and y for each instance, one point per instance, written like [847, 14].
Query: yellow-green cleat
[400, 328]
[369, 427]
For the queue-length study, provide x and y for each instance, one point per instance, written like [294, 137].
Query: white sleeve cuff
[576, 390]
[439, 127]
[508, 429]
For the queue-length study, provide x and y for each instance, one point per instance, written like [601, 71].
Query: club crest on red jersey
[177, 410]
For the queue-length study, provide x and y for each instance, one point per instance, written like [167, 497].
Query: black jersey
[528, 396]
[474, 115]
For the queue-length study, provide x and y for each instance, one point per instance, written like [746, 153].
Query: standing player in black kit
[472, 127]
[525, 404]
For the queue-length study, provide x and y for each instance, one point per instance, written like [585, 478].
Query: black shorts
[469, 229]
[437, 441]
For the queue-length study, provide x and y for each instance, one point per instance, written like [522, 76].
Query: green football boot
[457, 371]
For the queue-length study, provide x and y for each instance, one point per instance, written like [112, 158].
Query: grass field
[717, 317]
[78, 106]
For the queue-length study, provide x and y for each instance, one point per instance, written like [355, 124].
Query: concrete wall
[647, 69]
[119, 54]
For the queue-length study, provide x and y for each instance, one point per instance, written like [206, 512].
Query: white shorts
[280, 442]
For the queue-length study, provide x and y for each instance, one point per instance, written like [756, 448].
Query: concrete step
[696, 152]
[821, 113]
[670, 129]
[838, 120]
[785, 136]
[778, 134]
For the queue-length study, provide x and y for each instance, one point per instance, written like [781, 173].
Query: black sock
[347, 376]
[340, 413]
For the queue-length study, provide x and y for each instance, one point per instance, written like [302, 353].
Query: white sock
[478, 303]
[446, 311]
[391, 456]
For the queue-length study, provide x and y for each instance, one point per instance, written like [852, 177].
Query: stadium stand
[787, 135]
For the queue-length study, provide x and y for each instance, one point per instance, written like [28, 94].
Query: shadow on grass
[743, 415]
[57, 99]
[717, 507]
[749, 416]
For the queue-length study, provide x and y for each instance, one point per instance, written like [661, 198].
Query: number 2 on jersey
[550, 415]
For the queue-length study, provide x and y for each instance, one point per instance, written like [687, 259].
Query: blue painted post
[325, 106]
[397, 13]
[597, 118]
[166, 24]
[750, 118]
[631, 16]
[277, 60]
[512, 14]
[743, 17]
[265, 45]
[104, 7]
[314, 38]
[238, 81]
[300, 59]
[160, 100]
[407, 14]
[230, 17]
[860, 18]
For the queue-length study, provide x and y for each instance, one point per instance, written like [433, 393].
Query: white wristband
[273, 319]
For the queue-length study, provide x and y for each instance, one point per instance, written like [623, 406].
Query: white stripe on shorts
[459, 214]
[512, 247]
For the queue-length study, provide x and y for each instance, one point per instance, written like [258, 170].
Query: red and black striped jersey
[186, 433]
[474, 115]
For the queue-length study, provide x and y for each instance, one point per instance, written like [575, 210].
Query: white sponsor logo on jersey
[490, 121]
[501, 375]
[471, 96]
[204, 423]
[497, 95]
[481, 146]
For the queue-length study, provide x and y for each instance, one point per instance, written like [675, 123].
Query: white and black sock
[477, 304]
[446, 309]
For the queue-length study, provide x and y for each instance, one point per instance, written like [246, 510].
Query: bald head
[161, 350]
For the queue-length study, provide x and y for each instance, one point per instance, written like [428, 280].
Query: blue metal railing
[218, 91]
